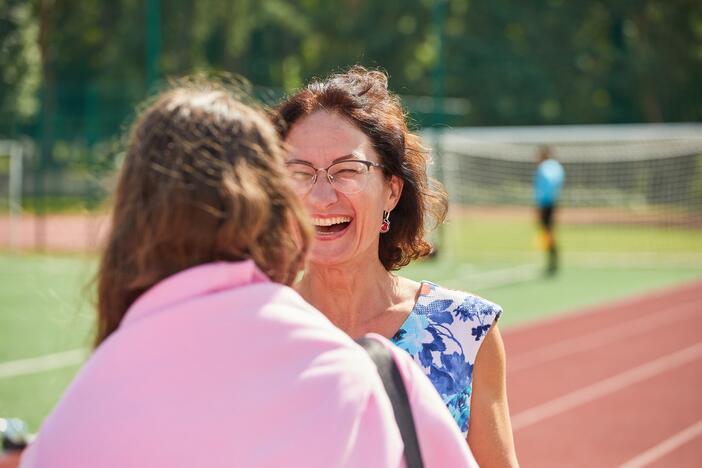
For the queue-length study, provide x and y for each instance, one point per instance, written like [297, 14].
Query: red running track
[616, 385]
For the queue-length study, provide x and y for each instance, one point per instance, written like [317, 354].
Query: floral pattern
[443, 334]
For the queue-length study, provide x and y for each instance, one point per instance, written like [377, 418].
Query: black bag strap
[395, 388]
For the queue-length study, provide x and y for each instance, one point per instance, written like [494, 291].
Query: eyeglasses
[345, 176]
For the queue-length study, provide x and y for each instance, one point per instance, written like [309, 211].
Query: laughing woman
[362, 176]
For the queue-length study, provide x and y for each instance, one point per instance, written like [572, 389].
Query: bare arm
[490, 435]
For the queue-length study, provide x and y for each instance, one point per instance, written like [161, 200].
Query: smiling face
[347, 226]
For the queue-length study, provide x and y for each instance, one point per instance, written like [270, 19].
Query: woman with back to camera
[204, 357]
[362, 176]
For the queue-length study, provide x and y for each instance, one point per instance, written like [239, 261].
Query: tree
[19, 64]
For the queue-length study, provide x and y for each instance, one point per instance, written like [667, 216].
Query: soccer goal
[12, 156]
[636, 188]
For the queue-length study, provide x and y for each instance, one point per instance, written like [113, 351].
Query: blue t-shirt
[443, 334]
[548, 181]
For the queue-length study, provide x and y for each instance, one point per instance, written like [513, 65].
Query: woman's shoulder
[463, 305]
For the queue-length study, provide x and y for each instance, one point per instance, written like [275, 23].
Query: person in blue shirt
[548, 182]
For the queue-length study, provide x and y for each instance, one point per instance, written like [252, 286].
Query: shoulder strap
[395, 388]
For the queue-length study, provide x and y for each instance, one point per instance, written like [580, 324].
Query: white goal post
[11, 174]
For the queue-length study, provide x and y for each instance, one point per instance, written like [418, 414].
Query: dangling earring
[385, 227]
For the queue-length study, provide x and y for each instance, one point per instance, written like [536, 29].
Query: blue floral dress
[443, 334]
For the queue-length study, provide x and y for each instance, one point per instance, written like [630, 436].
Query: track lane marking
[604, 336]
[604, 387]
[668, 445]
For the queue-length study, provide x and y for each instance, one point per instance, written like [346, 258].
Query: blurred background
[614, 87]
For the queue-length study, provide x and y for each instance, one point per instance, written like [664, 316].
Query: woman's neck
[351, 296]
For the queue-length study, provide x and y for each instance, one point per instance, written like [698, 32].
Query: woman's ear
[396, 185]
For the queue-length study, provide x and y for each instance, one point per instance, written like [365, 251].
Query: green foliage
[577, 62]
[19, 63]
[505, 62]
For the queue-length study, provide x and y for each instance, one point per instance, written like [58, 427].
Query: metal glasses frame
[330, 178]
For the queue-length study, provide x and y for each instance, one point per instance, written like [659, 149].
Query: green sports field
[46, 301]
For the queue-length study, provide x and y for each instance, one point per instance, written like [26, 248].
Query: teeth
[330, 221]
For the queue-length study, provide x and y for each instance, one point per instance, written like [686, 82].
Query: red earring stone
[385, 226]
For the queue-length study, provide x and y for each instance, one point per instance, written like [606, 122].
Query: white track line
[42, 363]
[604, 387]
[601, 337]
[665, 447]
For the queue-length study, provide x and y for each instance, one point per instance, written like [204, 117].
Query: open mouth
[330, 227]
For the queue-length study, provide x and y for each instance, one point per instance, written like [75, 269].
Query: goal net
[629, 188]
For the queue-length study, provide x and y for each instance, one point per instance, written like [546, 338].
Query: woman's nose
[322, 193]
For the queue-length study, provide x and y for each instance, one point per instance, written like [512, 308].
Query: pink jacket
[219, 367]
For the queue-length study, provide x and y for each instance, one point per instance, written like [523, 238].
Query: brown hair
[543, 153]
[362, 97]
[203, 180]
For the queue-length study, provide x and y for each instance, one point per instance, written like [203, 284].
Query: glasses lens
[349, 176]
[301, 176]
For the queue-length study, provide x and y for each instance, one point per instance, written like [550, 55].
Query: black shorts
[546, 216]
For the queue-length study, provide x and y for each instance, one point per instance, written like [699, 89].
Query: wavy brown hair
[203, 180]
[362, 97]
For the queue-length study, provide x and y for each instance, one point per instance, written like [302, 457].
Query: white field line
[604, 387]
[665, 447]
[604, 336]
[42, 363]
[644, 260]
[495, 278]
